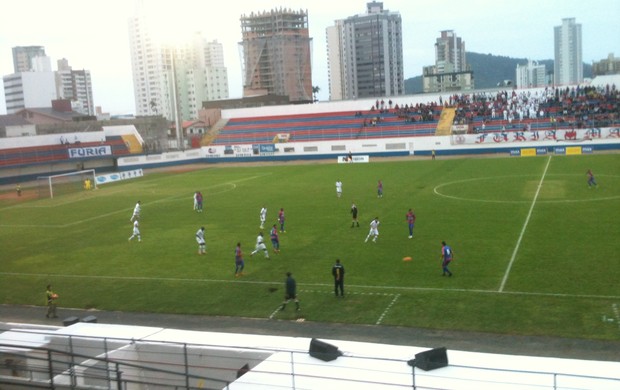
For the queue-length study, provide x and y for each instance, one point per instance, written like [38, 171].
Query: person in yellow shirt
[51, 298]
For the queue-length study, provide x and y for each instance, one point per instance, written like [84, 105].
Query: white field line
[527, 220]
[383, 289]
[387, 309]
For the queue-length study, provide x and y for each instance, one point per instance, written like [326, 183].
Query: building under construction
[276, 54]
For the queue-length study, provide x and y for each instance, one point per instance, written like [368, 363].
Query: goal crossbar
[66, 183]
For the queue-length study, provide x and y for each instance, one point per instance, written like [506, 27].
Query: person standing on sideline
[374, 230]
[433, 154]
[591, 180]
[263, 217]
[380, 189]
[136, 213]
[446, 258]
[239, 263]
[136, 231]
[51, 302]
[281, 219]
[354, 215]
[338, 273]
[275, 240]
[338, 188]
[260, 246]
[291, 292]
[411, 222]
[19, 190]
[200, 239]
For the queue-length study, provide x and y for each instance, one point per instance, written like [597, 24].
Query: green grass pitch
[536, 250]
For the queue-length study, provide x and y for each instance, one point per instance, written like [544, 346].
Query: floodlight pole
[177, 119]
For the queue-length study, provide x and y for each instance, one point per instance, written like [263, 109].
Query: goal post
[66, 183]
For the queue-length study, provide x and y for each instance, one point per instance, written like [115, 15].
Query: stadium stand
[55, 153]
[324, 126]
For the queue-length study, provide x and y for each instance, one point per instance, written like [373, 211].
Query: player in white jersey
[136, 231]
[260, 245]
[263, 217]
[200, 239]
[374, 230]
[136, 213]
[339, 188]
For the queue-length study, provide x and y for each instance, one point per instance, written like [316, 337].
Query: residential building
[23, 55]
[568, 62]
[276, 57]
[531, 75]
[450, 72]
[610, 65]
[365, 55]
[75, 85]
[29, 90]
[36, 85]
[174, 80]
[151, 70]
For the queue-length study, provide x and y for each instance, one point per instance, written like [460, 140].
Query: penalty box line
[128, 210]
[379, 320]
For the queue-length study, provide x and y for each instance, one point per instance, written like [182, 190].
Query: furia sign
[93, 151]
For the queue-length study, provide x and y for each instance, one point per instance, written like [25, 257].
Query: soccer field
[536, 249]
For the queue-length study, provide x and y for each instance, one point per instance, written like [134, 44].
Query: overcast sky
[93, 34]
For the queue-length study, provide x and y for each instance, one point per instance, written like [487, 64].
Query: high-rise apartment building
[23, 55]
[75, 85]
[29, 90]
[450, 72]
[276, 54]
[568, 62]
[170, 79]
[200, 74]
[365, 55]
[33, 85]
[607, 66]
[531, 75]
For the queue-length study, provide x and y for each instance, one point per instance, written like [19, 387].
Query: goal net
[66, 183]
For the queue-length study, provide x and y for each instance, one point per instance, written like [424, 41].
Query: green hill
[489, 70]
